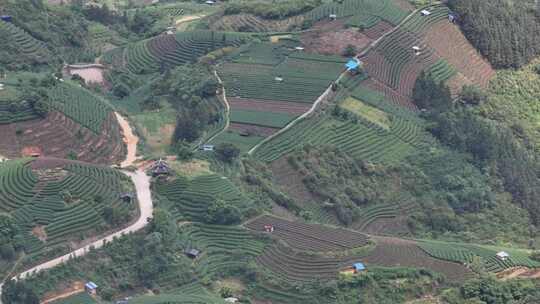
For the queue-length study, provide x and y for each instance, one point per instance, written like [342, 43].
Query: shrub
[227, 152]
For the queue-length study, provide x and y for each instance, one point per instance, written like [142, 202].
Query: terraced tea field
[189, 199]
[171, 50]
[220, 246]
[269, 86]
[465, 253]
[53, 200]
[27, 45]
[357, 139]
[309, 237]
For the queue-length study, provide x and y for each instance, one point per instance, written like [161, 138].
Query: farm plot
[59, 136]
[190, 199]
[465, 253]
[386, 10]
[285, 107]
[171, 50]
[332, 37]
[252, 23]
[27, 45]
[394, 62]
[220, 247]
[237, 137]
[291, 266]
[268, 119]
[310, 237]
[449, 43]
[393, 252]
[12, 108]
[80, 105]
[357, 139]
[58, 198]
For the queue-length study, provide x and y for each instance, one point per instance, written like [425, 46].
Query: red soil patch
[269, 105]
[378, 30]
[448, 42]
[39, 232]
[392, 95]
[290, 181]
[330, 37]
[252, 129]
[57, 135]
[393, 252]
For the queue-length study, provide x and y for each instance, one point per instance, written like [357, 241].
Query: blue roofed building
[353, 65]
[358, 267]
[91, 288]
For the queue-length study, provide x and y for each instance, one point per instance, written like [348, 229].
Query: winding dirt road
[144, 198]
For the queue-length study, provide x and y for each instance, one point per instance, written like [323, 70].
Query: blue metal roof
[91, 285]
[359, 266]
[352, 64]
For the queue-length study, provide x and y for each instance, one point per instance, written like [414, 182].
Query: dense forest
[505, 32]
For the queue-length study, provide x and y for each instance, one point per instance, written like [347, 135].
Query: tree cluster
[191, 90]
[506, 32]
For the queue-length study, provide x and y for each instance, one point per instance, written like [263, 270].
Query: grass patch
[368, 112]
[157, 128]
[244, 143]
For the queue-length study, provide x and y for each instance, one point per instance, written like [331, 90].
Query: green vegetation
[244, 143]
[386, 10]
[191, 199]
[81, 298]
[508, 41]
[267, 119]
[275, 10]
[466, 254]
[80, 105]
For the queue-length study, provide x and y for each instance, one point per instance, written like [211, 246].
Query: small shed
[210, 2]
[452, 18]
[332, 17]
[278, 79]
[127, 197]
[192, 253]
[353, 65]
[299, 48]
[502, 255]
[359, 267]
[1, 86]
[269, 228]
[160, 167]
[6, 18]
[91, 287]
[207, 148]
[231, 300]
[425, 12]
[31, 151]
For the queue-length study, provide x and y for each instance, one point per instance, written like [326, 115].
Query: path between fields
[130, 139]
[144, 198]
[227, 109]
[328, 90]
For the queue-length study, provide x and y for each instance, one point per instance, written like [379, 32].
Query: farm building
[354, 269]
[231, 300]
[333, 17]
[127, 197]
[1, 86]
[269, 228]
[32, 151]
[210, 2]
[207, 147]
[502, 255]
[160, 168]
[192, 253]
[91, 288]
[6, 18]
[353, 65]
[425, 13]
[299, 48]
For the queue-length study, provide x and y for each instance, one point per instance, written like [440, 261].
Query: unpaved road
[130, 139]
[144, 198]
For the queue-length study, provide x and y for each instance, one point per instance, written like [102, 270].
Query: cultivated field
[53, 200]
[465, 253]
[393, 252]
[310, 237]
[29, 47]
[189, 199]
[269, 85]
